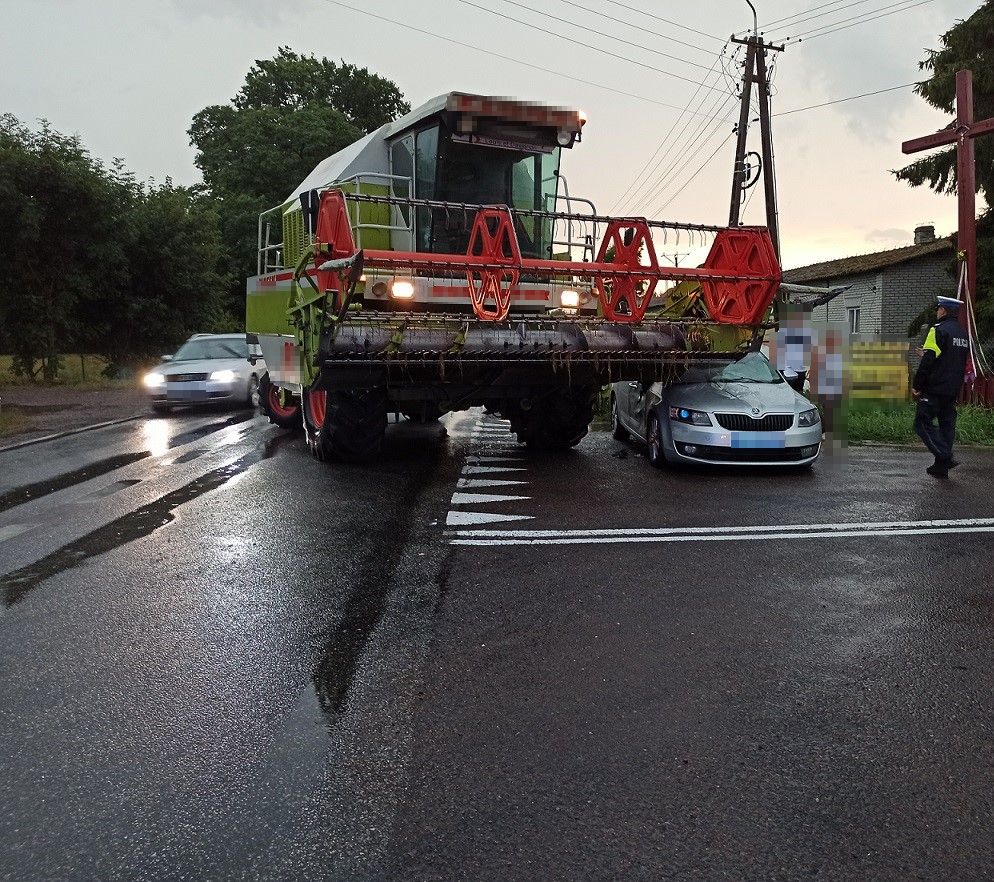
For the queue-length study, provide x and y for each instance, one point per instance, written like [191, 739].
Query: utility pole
[756, 71]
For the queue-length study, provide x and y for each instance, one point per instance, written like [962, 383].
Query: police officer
[937, 382]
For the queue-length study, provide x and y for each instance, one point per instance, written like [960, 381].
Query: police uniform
[938, 381]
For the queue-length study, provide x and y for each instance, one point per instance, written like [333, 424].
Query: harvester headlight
[564, 138]
[402, 289]
[154, 379]
[569, 299]
[223, 376]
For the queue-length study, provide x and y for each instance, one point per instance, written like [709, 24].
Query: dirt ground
[47, 410]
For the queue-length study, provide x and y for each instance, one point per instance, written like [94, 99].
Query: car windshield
[206, 349]
[751, 368]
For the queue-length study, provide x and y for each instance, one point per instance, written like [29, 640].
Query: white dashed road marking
[12, 530]
[466, 518]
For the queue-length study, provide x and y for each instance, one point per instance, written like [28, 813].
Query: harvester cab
[440, 263]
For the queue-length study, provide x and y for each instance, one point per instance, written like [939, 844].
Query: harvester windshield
[483, 175]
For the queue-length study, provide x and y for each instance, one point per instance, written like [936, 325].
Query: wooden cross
[961, 133]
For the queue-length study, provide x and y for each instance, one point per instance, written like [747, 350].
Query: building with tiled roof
[887, 289]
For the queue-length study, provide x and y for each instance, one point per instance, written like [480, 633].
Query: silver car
[207, 369]
[726, 413]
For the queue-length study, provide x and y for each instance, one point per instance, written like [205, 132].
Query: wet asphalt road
[222, 659]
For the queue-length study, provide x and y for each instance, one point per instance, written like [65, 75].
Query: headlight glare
[691, 417]
[225, 376]
[809, 417]
[154, 379]
[569, 299]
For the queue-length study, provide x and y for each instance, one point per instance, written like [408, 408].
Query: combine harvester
[440, 263]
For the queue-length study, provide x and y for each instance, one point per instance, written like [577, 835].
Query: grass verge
[12, 421]
[890, 422]
[78, 371]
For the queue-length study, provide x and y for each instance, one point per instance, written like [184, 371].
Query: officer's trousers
[938, 438]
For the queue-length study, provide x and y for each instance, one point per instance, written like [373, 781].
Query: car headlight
[223, 376]
[154, 379]
[692, 417]
[809, 417]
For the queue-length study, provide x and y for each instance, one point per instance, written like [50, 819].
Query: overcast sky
[128, 75]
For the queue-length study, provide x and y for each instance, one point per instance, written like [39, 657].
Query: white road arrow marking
[467, 518]
[469, 483]
[488, 470]
[481, 498]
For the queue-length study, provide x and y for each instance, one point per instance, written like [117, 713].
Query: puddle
[134, 525]
[28, 492]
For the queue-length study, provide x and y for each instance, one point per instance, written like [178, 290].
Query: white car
[724, 413]
[207, 369]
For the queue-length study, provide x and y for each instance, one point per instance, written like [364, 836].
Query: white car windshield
[209, 349]
[751, 368]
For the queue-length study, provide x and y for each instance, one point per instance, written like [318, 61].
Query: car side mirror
[167, 358]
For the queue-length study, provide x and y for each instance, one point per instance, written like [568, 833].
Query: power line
[675, 24]
[836, 26]
[581, 27]
[579, 43]
[638, 177]
[703, 166]
[638, 27]
[675, 171]
[807, 11]
[412, 29]
[805, 18]
[841, 100]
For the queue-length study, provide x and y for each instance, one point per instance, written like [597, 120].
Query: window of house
[853, 312]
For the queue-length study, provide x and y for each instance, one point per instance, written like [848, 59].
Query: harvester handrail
[532, 212]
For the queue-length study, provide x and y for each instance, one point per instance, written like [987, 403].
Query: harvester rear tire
[286, 417]
[354, 424]
[559, 420]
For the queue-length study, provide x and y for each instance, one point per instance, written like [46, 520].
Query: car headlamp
[691, 417]
[809, 417]
[225, 376]
[154, 379]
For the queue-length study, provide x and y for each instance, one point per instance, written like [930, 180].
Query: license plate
[759, 440]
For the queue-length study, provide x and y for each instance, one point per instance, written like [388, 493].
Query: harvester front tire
[354, 424]
[285, 416]
[560, 420]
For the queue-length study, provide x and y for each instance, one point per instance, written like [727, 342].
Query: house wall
[865, 293]
[910, 287]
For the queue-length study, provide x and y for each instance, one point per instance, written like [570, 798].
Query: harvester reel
[626, 298]
[744, 253]
[493, 238]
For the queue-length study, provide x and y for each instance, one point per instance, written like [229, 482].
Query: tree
[968, 45]
[91, 260]
[58, 241]
[292, 112]
[293, 81]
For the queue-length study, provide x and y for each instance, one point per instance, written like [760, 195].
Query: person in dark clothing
[937, 382]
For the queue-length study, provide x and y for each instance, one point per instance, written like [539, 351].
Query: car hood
[739, 397]
[202, 366]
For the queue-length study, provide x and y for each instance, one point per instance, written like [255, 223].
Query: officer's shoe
[938, 470]
[951, 463]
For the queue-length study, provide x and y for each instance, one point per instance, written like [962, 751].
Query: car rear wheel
[618, 431]
[162, 408]
[654, 436]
